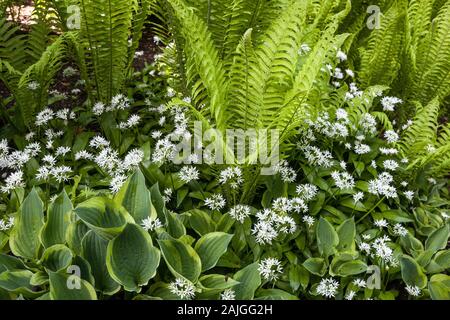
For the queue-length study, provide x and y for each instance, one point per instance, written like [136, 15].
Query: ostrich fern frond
[432, 70]
[380, 60]
[106, 29]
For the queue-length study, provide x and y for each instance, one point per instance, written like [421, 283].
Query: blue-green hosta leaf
[135, 197]
[56, 258]
[216, 281]
[131, 258]
[182, 259]
[211, 247]
[105, 216]
[58, 220]
[175, 226]
[212, 285]
[39, 278]
[24, 238]
[397, 216]
[439, 287]
[158, 202]
[249, 280]
[316, 266]
[201, 222]
[350, 268]
[346, 232]
[350, 203]
[438, 239]
[327, 237]
[18, 281]
[94, 250]
[412, 273]
[75, 234]
[274, 294]
[64, 286]
[8, 262]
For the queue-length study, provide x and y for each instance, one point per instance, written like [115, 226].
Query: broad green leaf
[94, 250]
[158, 202]
[249, 280]
[175, 227]
[412, 273]
[18, 281]
[350, 203]
[201, 222]
[58, 220]
[135, 197]
[106, 217]
[64, 286]
[131, 258]
[397, 216]
[327, 237]
[274, 294]
[346, 232]
[439, 287]
[217, 281]
[298, 275]
[316, 266]
[75, 234]
[438, 239]
[24, 238]
[57, 257]
[442, 258]
[8, 262]
[39, 278]
[182, 259]
[211, 247]
[351, 268]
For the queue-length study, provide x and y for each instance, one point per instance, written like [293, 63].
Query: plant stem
[370, 211]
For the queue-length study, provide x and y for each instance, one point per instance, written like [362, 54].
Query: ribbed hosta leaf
[24, 239]
[132, 259]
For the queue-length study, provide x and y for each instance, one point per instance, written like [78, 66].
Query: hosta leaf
[346, 232]
[75, 234]
[201, 222]
[316, 266]
[8, 262]
[131, 258]
[438, 239]
[439, 287]
[58, 220]
[181, 259]
[135, 197]
[70, 287]
[217, 281]
[56, 258]
[397, 216]
[412, 273]
[24, 238]
[94, 250]
[104, 216]
[18, 281]
[274, 294]
[327, 237]
[158, 202]
[351, 268]
[175, 227]
[39, 278]
[249, 280]
[211, 247]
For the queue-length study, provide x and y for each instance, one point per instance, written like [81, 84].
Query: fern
[106, 28]
[432, 70]
[380, 60]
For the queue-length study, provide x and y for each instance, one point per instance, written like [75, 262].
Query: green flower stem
[371, 210]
